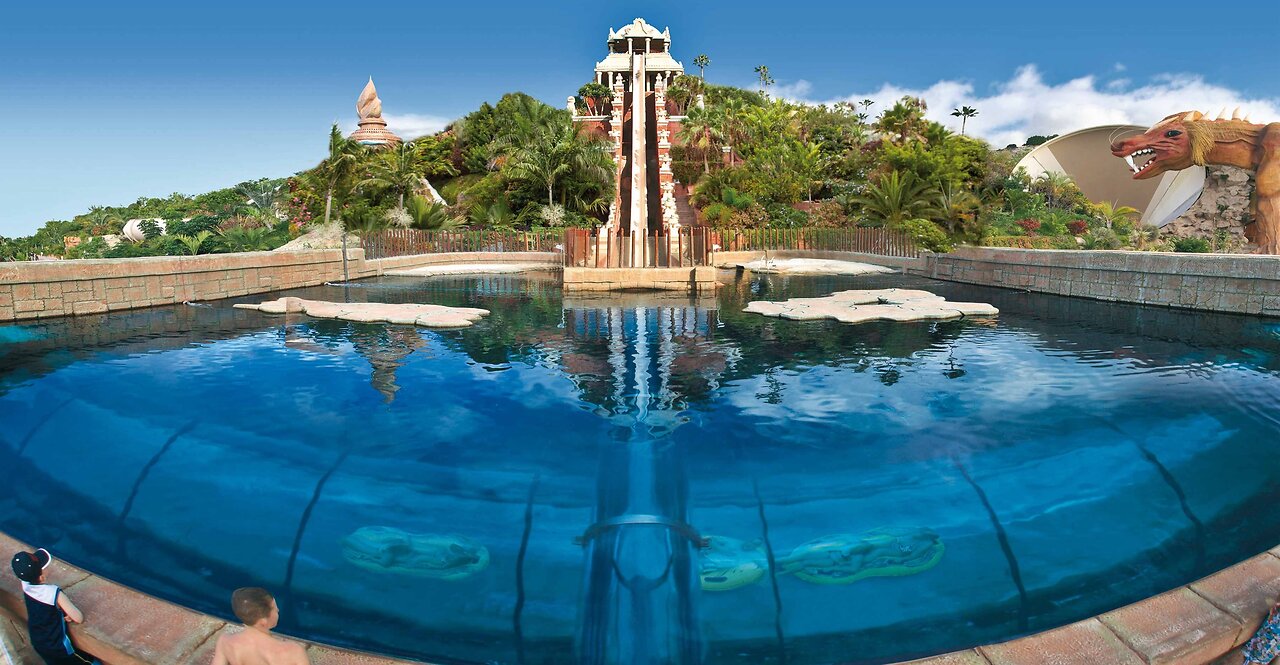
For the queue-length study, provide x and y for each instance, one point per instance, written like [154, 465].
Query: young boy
[255, 645]
[48, 611]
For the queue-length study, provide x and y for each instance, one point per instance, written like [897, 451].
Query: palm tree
[1111, 214]
[192, 243]
[494, 215]
[337, 166]
[397, 170]
[430, 216]
[964, 113]
[762, 71]
[957, 204]
[530, 118]
[402, 170]
[593, 95]
[730, 115]
[260, 195]
[905, 120]
[100, 218]
[898, 197]
[359, 218]
[702, 62]
[1054, 185]
[806, 161]
[559, 150]
[701, 124]
[935, 134]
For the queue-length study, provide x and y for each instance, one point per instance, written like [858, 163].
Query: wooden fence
[880, 241]
[588, 248]
[407, 242]
[692, 246]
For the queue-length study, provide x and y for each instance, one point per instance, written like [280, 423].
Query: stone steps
[684, 209]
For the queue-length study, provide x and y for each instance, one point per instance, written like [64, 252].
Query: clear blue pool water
[560, 460]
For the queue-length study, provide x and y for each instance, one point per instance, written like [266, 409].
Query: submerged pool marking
[1014, 571]
[22, 445]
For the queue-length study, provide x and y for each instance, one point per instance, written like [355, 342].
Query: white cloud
[1026, 104]
[407, 126]
[798, 90]
[413, 125]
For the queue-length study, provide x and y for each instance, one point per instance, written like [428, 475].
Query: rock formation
[1223, 207]
[430, 316]
[873, 305]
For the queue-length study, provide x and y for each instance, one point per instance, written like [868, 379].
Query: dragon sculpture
[1191, 137]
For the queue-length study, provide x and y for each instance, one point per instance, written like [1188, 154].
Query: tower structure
[638, 69]
[372, 128]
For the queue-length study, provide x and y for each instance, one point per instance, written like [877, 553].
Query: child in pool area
[1265, 645]
[255, 645]
[48, 611]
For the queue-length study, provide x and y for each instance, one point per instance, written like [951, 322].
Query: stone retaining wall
[42, 289]
[700, 279]
[1235, 283]
[1203, 622]
[899, 262]
[1241, 284]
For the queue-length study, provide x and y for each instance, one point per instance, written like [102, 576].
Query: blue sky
[105, 102]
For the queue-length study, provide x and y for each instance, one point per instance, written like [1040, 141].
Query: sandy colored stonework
[872, 305]
[810, 267]
[430, 316]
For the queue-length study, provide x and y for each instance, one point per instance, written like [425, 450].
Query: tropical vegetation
[750, 159]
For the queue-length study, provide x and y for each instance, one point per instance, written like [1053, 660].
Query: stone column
[666, 178]
[617, 99]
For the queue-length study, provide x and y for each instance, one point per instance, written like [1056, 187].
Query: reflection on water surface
[639, 478]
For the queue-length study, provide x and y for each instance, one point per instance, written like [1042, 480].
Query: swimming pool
[638, 478]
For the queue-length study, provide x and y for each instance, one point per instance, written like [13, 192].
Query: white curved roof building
[1085, 156]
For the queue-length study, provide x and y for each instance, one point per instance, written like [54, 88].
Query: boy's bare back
[253, 647]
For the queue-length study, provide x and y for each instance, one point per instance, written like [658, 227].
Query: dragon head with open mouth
[1192, 138]
[1173, 144]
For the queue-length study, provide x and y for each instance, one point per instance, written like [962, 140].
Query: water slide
[639, 213]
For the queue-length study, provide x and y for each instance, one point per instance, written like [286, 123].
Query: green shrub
[128, 250]
[1191, 245]
[754, 217]
[450, 189]
[828, 214]
[1020, 242]
[1055, 223]
[484, 191]
[1063, 242]
[716, 213]
[785, 217]
[736, 200]
[150, 229]
[927, 235]
[193, 227]
[1102, 239]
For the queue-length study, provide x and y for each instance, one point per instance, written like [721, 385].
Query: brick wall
[43, 289]
[1240, 284]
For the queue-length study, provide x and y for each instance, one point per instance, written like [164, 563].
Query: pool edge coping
[1193, 623]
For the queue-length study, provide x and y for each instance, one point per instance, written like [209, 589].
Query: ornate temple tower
[373, 129]
[637, 70]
